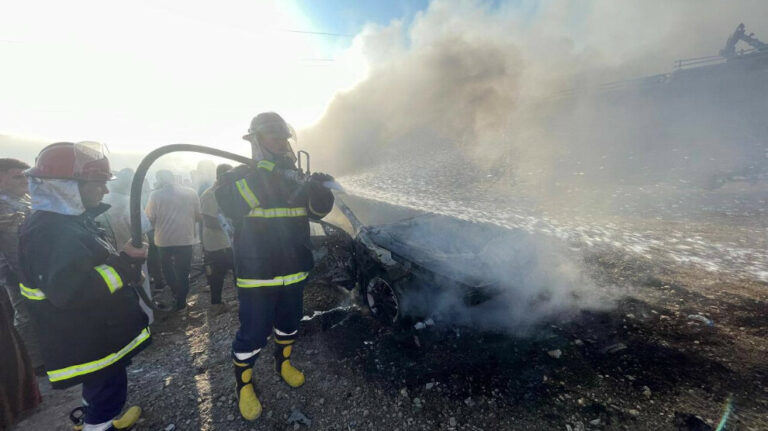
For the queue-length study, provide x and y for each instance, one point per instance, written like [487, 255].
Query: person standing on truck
[270, 215]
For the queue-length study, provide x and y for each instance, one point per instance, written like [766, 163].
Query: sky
[344, 73]
[143, 74]
[349, 16]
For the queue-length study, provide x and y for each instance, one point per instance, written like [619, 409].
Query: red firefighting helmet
[83, 161]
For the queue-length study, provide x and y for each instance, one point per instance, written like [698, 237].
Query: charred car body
[404, 269]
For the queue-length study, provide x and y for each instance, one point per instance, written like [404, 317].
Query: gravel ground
[643, 364]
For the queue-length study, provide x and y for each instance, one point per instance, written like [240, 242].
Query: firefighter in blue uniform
[89, 322]
[272, 251]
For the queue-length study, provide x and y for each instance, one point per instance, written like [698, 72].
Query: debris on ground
[646, 391]
[375, 376]
[702, 319]
[297, 417]
[613, 348]
[555, 353]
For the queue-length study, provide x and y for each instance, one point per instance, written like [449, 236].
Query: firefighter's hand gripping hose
[134, 258]
[129, 266]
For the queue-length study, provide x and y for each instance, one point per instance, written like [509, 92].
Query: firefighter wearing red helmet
[272, 254]
[89, 321]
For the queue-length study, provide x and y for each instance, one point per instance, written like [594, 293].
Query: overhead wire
[318, 33]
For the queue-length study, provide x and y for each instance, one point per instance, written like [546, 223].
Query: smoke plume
[493, 83]
[500, 111]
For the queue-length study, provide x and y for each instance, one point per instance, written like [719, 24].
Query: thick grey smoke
[497, 111]
[492, 82]
[525, 279]
[462, 272]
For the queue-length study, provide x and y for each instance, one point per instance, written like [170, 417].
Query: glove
[128, 267]
[320, 177]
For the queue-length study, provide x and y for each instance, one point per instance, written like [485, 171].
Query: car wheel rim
[382, 300]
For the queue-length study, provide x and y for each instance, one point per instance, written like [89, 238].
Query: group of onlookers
[175, 220]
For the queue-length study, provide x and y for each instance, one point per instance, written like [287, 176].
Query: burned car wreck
[405, 269]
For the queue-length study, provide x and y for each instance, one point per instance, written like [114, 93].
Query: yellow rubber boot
[122, 423]
[247, 402]
[128, 419]
[288, 372]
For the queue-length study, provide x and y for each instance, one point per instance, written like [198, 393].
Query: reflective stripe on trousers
[284, 280]
[246, 355]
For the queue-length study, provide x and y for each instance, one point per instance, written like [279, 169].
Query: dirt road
[644, 364]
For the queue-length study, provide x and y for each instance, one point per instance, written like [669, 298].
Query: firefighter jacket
[271, 222]
[87, 319]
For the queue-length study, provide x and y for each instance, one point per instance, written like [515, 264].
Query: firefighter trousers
[263, 310]
[104, 395]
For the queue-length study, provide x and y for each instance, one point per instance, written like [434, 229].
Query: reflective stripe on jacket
[271, 241]
[33, 294]
[99, 364]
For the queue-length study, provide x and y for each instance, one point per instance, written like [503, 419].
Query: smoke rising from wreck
[535, 279]
[498, 113]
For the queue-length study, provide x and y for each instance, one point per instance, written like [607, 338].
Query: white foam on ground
[742, 257]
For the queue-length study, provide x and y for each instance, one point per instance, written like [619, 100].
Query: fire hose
[296, 176]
